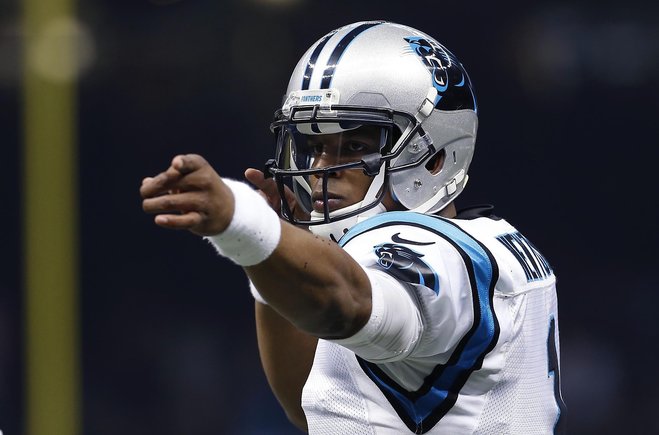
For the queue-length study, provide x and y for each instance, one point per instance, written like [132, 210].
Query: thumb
[267, 186]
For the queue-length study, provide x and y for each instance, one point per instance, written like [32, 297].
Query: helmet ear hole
[436, 162]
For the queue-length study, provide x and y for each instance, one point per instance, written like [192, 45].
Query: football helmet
[410, 95]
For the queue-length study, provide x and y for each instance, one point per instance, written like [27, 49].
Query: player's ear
[436, 162]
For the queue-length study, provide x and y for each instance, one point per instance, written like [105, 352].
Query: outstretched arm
[192, 188]
[309, 280]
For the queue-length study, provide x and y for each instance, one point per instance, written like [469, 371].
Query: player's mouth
[334, 202]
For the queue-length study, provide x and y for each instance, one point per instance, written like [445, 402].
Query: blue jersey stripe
[423, 408]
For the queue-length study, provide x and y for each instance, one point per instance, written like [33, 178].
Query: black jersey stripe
[554, 370]
[340, 48]
[508, 244]
[449, 378]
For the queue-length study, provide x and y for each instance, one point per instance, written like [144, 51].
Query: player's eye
[355, 147]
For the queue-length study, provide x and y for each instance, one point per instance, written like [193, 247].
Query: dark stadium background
[567, 152]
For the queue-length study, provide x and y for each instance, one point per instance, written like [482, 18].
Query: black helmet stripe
[340, 48]
[313, 58]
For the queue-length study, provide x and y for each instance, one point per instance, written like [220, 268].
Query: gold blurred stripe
[50, 230]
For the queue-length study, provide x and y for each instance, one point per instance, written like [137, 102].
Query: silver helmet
[401, 84]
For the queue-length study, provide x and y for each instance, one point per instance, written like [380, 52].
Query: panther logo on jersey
[406, 265]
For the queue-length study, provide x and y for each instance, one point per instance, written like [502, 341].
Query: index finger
[161, 183]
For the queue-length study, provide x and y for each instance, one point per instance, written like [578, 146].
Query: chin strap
[335, 230]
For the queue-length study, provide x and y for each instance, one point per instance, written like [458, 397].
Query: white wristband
[254, 231]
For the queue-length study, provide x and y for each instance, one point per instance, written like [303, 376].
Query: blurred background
[163, 330]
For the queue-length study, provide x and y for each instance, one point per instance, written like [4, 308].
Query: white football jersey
[485, 357]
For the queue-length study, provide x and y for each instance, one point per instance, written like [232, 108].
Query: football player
[381, 309]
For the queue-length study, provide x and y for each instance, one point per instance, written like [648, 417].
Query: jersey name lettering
[532, 261]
